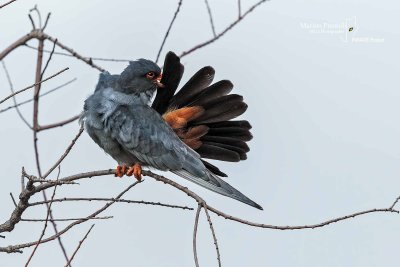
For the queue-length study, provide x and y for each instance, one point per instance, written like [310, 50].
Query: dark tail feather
[227, 141]
[219, 153]
[172, 74]
[242, 124]
[212, 92]
[238, 150]
[226, 108]
[235, 132]
[196, 84]
[214, 169]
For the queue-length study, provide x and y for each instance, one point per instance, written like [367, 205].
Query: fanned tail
[210, 106]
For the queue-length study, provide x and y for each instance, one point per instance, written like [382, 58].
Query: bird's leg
[120, 171]
[136, 170]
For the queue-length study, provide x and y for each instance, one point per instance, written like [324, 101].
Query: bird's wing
[201, 114]
[142, 132]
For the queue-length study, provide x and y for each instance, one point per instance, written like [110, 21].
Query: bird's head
[141, 76]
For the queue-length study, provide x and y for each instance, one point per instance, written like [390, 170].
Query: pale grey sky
[324, 109]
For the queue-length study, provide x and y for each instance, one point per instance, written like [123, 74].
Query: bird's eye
[150, 75]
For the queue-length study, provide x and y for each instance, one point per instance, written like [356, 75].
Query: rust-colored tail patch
[179, 118]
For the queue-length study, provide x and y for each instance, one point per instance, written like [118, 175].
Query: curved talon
[136, 170]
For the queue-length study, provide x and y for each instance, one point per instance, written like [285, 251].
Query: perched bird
[167, 134]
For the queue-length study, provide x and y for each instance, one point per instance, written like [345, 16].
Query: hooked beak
[157, 81]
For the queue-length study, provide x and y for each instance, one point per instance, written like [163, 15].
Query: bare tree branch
[58, 124]
[41, 95]
[45, 224]
[13, 95]
[66, 219]
[211, 18]
[33, 85]
[40, 35]
[169, 29]
[233, 24]
[49, 59]
[17, 248]
[213, 235]
[196, 223]
[111, 199]
[38, 78]
[13, 199]
[92, 58]
[58, 162]
[79, 246]
[7, 3]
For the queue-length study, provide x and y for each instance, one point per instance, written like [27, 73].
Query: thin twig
[92, 58]
[32, 22]
[40, 35]
[13, 95]
[64, 154]
[210, 17]
[169, 29]
[66, 220]
[394, 203]
[233, 24]
[213, 235]
[39, 15]
[58, 124]
[22, 179]
[49, 59]
[239, 9]
[7, 3]
[111, 199]
[13, 200]
[196, 223]
[33, 85]
[79, 246]
[45, 224]
[41, 95]
[47, 20]
[88, 61]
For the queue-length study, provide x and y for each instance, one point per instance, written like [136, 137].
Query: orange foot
[120, 171]
[136, 170]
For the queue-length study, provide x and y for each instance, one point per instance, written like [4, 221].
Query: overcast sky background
[325, 115]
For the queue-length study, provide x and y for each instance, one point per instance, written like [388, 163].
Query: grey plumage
[119, 119]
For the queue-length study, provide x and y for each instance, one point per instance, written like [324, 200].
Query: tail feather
[210, 151]
[235, 132]
[240, 151]
[226, 140]
[229, 107]
[214, 169]
[196, 84]
[242, 124]
[212, 92]
[172, 75]
[216, 184]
